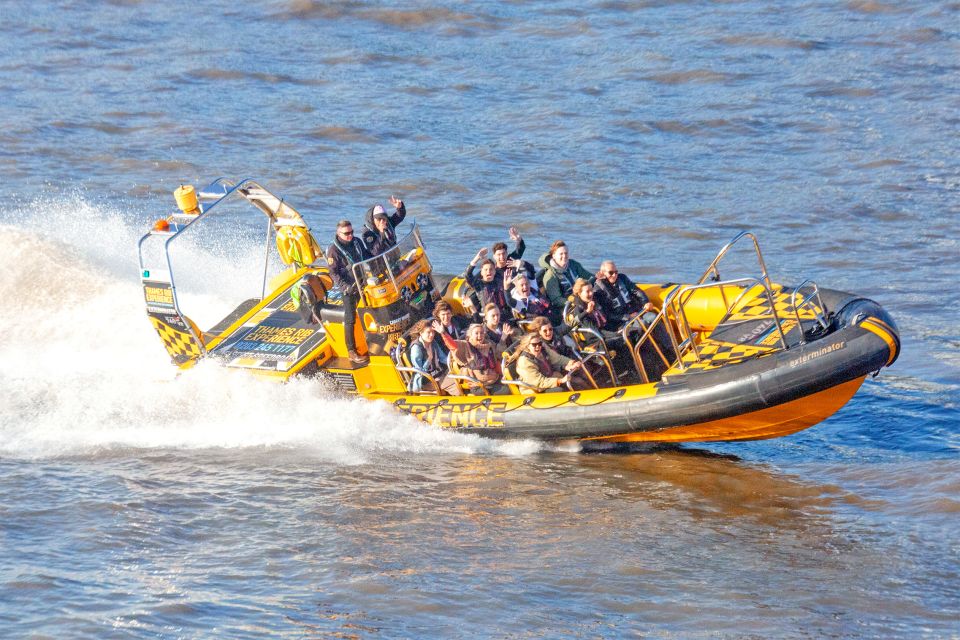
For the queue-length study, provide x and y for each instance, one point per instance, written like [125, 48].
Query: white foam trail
[82, 370]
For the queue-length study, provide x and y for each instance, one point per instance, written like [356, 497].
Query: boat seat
[404, 367]
[464, 382]
[508, 366]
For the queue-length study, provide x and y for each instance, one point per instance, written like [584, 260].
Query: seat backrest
[509, 367]
[539, 277]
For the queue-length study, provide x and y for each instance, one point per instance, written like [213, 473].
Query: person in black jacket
[488, 287]
[510, 265]
[445, 321]
[380, 230]
[344, 252]
[621, 300]
[499, 334]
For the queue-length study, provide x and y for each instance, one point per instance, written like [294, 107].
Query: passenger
[621, 301]
[477, 359]
[448, 323]
[379, 232]
[543, 368]
[587, 314]
[427, 355]
[560, 272]
[344, 252]
[499, 334]
[525, 303]
[553, 336]
[510, 265]
[488, 287]
[620, 298]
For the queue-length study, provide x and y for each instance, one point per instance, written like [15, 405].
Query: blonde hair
[537, 323]
[579, 285]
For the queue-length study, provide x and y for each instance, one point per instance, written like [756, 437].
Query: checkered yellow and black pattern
[756, 305]
[180, 345]
[717, 354]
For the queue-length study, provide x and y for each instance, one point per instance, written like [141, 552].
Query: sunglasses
[347, 234]
[612, 273]
[536, 344]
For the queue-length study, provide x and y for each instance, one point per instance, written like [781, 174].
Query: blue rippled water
[140, 504]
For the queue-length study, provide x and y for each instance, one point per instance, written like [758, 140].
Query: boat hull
[765, 397]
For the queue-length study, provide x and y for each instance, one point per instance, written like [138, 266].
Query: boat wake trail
[82, 371]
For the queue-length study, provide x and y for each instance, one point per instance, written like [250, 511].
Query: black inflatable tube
[846, 353]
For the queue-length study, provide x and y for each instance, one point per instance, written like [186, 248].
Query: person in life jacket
[427, 354]
[307, 295]
[486, 284]
[344, 252]
[552, 336]
[546, 370]
[476, 358]
[621, 300]
[380, 229]
[446, 322]
[588, 314]
[499, 334]
[560, 272]
[526, 304]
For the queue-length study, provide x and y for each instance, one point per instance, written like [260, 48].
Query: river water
[138, 504]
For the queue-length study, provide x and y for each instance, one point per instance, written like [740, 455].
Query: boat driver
[344, 252]
[380, 230]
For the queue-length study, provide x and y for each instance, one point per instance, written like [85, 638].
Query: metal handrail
[603, 353]
[714, 266]
[678, 297]
[648, 331]
[818, 315]
[428, 376]
[459, 376]
[229, 188]
[357, 267]
[505, 363]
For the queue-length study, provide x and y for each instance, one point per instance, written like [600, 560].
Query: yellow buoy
[186, 198]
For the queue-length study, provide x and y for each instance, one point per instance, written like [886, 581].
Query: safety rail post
[818, 315]
[680, 296]
[714, 265]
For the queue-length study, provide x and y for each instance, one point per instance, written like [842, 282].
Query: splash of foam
[81, 369]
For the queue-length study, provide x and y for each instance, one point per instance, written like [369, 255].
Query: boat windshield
[388, 267]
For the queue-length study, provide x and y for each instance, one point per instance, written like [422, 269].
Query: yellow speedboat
[750, 359]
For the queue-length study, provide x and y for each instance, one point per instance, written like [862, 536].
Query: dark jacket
[376, 242]
[596, 320]
[557, 285]
[507, 274]
[619, 300]
[499, 340]
[560, 345]
[341, 257]
[529, 307]
[488, 291]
